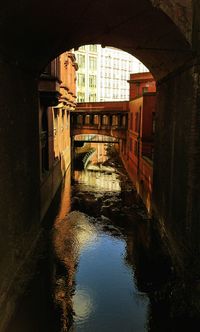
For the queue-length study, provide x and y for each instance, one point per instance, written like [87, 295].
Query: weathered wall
[19, 181]
[176, 188]
[180, 11]
[156, 31]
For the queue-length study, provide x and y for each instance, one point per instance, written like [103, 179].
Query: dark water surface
[104, 267]
[102, 245]
[106, 297]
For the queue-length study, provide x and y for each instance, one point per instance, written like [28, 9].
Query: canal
[95, 243]
[104, 267]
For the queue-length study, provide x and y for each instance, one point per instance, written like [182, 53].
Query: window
[96, 119]
[108, 61]
[114, 120]
[144, 89]
[115, 63]
[92, 97]
[87, 119]
[107, 92]
[81, 80]
[81, 60]
[92, 63]
[80, 119]
[81, 97]
[124, 121]
[92, 81]
[115, 74]
[105, 120]
[93, 48]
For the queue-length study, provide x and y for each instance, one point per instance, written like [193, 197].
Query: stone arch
[80, 136]
[35, 32]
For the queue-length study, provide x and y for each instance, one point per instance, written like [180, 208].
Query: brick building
[137, 151]
[57, 97]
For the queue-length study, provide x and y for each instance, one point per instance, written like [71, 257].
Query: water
[104, 267]
[105, 297]
[97, 242]
[92, 243]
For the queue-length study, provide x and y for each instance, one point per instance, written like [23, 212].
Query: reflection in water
[94, 280]
[104, 297]
[104, 275]
[97, 180]
[82, 305]
[110, 268]
[112, 272]
[116, 271]
[71, 235]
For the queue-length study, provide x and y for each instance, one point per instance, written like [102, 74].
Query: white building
[103, 73]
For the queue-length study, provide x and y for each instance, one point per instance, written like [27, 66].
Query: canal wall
[141, 176]
[177, 163]
[50, 184]
[19, 184]
[20, 187]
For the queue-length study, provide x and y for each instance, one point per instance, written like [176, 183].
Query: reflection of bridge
[106, 118]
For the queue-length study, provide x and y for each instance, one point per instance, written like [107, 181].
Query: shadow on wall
[33, 307]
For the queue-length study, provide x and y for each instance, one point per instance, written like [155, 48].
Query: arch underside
[105, 131]
[97, 138]
[35, 32]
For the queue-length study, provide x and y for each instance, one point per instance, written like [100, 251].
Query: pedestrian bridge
[92, 138]
[101, 118]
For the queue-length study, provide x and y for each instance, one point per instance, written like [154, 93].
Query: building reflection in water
[73, 233]
[163, 303]
[98, 180]
[70, 238]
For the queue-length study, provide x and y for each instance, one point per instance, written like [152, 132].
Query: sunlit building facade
[137, 151]
[103, 73]
[57, 98]
[87, 75]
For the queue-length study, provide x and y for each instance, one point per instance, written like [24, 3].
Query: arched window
[80, 119]
[96, 119]
[87, 119]
[105, 120]
[115, 120]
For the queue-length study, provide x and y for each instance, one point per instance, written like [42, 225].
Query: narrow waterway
[103, 266]
[102, 244]
[101, 283]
